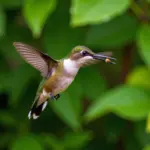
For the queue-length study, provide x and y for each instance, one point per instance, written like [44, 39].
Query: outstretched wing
[37, 59]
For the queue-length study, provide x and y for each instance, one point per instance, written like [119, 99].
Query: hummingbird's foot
[52, 97]
[57, 96]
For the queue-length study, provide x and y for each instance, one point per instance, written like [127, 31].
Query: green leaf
[7, 119]
[130, 142]
[139, 77]
[11, 4]
[147, 147]
[112, 34]
[5, 138]
[75, 91]
[14, 33]
[2, 22]
[66, 110]
[76, 140]
[53, 142]
[148, 1]
[148, 124]
[36, 13]
[18, 81]
[96, 11]
[143, 37]
[125, 101]
[4, 86]
[92, 83]
[140, 133]
[113, 131]
[26, 143]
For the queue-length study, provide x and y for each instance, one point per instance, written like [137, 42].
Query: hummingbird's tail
[37, 109]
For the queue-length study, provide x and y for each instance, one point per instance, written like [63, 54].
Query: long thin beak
[105, 58]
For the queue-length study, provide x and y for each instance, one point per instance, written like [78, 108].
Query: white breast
[71, 67]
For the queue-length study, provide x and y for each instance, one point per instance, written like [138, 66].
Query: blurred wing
[37, 59]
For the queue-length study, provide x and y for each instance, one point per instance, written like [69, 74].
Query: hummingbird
[57, 74]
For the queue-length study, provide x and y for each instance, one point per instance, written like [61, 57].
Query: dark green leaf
[76, 140]
[53, 142]
[115, 33]
[2, 22]
[67, 111]
[18, 81]
[26, 143]
[130, 142]
[76, 97]
[96, 11]
[140, 133]
[7, 119]
[11, 4]
[92, 83]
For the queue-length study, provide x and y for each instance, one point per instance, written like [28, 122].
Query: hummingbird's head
[83, 55]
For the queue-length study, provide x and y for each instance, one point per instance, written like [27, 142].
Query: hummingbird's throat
[71, 66]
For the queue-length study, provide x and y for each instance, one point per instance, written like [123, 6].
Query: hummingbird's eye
[84, 53]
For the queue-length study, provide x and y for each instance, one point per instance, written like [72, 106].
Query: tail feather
[36, 110]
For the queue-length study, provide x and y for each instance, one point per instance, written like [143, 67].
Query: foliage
[107, 106]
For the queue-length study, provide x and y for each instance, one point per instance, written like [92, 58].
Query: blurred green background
[107, 107]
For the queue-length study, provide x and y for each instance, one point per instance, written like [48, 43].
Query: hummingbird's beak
[105, 58]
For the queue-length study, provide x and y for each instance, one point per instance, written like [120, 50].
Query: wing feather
[37, 59]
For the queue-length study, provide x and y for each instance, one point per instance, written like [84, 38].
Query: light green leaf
[26, 143]
[148, 124]
[96, 11]
[76, 140]
[115, 33]
[139, 77]
[2, 22]
[66, 110]
[147, 147]
[148, 1]
[36, 12]
[143, 37]
[125, 101]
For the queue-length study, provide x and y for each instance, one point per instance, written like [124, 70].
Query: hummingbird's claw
[57, 96]
[52, 97]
